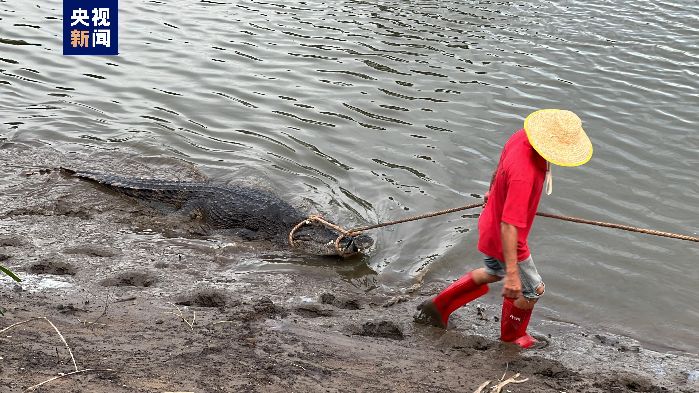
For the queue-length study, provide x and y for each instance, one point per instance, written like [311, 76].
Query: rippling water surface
[373, 110]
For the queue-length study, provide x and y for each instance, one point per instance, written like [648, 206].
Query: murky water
[374, 110]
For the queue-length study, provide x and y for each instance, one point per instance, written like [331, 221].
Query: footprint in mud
[267, 308]
[69, 309]
[545, 367]
[623, 382]
[50, 266]
[382, 329]
[340, 302]
[263, 308]
[313, 311]
[468, 344]
[91, 251]
[205, 298]
[478, 343]
[131, 279]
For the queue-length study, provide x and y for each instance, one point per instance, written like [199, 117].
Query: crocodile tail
[96, 177]
[169, 192]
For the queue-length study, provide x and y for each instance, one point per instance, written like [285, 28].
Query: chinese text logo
[90, 27]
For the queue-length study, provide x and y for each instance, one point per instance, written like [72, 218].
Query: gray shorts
[528, 275]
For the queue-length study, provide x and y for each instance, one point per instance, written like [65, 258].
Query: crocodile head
[316, 239]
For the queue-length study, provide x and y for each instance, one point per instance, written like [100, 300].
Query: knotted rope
[358, 230]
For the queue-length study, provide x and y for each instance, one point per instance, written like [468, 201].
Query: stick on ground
[483, 386]
[77, 371]
[513, 379]
[88, 370]
[179, 314]
[54, 328]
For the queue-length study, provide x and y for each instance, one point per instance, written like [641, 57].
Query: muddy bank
[171, 307]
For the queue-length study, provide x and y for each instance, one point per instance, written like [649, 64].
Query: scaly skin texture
[258, 214]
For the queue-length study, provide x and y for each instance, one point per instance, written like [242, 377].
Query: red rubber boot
[436, 311]
[513, 325]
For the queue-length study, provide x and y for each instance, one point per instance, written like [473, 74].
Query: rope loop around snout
[318, 218]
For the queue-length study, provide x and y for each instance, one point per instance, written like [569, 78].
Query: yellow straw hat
[558, 136]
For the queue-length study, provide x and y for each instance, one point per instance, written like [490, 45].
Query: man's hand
[485, 198]
[513, 287]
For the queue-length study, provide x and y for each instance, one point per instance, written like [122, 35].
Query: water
[375, 110]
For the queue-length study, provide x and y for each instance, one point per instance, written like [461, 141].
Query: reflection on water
[369, 111]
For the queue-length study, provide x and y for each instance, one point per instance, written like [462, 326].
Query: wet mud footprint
[629, 383]
[131, 279]
[261, 309]
[212, 298]
[478, 343]
[314, 311]
[537, 365]
[340, 302]
[381, 329]
[50, 266]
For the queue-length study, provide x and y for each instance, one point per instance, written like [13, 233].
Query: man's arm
[513, 286]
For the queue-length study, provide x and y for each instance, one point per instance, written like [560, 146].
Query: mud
[186, 312]
[344, 303]
[50, 266]
[384, 329]
[206, 298]
[131, 279]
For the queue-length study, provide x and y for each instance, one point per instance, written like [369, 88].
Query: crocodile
[252, 213]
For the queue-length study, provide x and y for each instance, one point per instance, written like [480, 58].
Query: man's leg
[436, 311]
[481, 276]
[516, 313]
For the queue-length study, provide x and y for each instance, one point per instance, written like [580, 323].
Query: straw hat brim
[574, 153]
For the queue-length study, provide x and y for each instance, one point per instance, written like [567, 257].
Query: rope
[358, 230]
[620, 226]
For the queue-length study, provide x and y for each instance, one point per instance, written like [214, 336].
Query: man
[550, 136]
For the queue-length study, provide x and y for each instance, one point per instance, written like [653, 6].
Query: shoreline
[170, 310]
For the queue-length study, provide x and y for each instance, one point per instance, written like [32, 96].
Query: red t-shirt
[514, 197]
